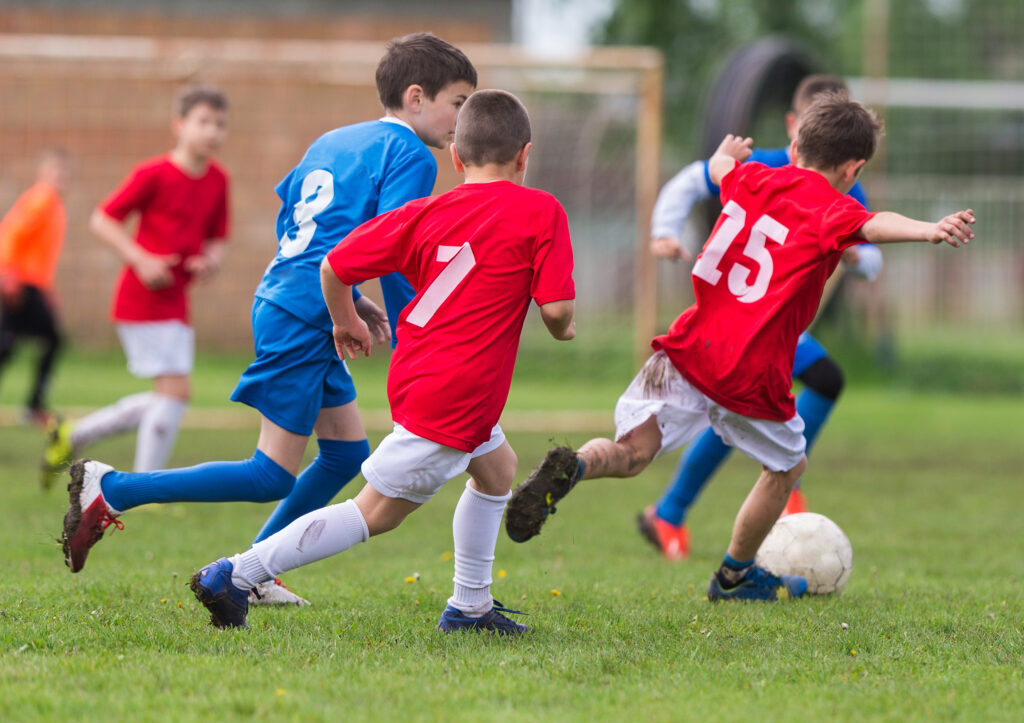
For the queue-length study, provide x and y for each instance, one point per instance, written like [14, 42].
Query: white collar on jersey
[396, 121]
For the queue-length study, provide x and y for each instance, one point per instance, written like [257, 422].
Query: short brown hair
[199, 94]
[836, 129]
[493, 126]
[421, 59]
[814, 85]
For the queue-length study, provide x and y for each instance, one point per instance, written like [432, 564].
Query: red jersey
[178, 214]
[758, 283]
[475, 256]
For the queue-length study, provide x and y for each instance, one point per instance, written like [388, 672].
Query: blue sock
[733, 564]
[814, 409]
[695, 469]
[337, 463]
[257, 479]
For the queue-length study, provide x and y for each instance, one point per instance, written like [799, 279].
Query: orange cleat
[796, 504]
[672, 540]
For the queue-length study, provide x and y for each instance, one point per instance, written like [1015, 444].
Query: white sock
[121, 416]
[475, 527]
[312, 537]
[158, 430]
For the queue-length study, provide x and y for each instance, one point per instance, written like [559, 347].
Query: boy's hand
[954, 229]
[154, 270]
[352, 339]
[10, 291]
[201, 266]
[736, 147]
[375, 318]
[665, 247]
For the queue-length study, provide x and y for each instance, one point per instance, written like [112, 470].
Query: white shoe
[274, 592]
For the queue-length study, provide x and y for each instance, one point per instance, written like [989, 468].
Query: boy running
[181, 201]
[297, 382]
[476, 256]
[727, 360]
[31, 237]
[663, 524]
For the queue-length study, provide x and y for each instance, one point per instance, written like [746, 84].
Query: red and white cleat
[672, 540]
[275, 592]
[88, 513]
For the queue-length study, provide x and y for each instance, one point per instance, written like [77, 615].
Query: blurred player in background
[476, 256]
[31, 237]
[297, 382]
[726, 361]
[181, 201]
[663, 524]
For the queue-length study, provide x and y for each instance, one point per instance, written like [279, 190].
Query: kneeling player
[726, 360]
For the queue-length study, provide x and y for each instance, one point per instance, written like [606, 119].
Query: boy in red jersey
[475, 256]
[181, 199]
[31, 237]
[726, 361]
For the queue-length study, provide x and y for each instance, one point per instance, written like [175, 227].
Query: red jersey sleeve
[219, 227]
[133, 194]
[552, 261]
[840, 224]
[373, 249]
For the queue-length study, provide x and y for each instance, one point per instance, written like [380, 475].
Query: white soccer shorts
[158, 348]
[413, 468]
[683, 412]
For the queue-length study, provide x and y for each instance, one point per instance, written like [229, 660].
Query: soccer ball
[812, 546]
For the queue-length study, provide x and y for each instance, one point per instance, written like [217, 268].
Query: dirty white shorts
[157, 348]
[413, 468]
[684, 412]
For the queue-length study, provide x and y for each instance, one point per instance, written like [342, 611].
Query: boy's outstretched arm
[351, 334]
[560, 318]
[888, 227]
[731, 149]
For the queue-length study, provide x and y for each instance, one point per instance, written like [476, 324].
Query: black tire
[765, 72]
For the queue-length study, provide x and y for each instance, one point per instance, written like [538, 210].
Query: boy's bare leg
[380, 512]
[627, 457]
[535, 499]
[761, 510]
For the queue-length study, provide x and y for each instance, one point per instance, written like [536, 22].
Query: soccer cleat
[38, 417]
[672, 540]
[535, 498]
[58, 452]
[228, 605]
[758, 584]
[796, 503]
[88, 514]
[453, 620]
[275, 592]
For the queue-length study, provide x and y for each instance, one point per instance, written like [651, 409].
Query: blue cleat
[453, 620]
[758, 584]
[227, 604]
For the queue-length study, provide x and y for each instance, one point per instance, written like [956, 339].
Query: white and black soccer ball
[812, 546]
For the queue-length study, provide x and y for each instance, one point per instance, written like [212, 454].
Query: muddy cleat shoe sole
[228, 605]
[535, 499]
[88, 514]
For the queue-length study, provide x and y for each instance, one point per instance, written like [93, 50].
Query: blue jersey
[776, 158]
[348, 176]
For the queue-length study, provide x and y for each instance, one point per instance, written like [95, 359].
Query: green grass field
[927, 486]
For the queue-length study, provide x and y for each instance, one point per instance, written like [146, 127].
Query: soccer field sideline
[377, 420]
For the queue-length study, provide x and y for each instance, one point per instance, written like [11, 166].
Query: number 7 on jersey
[460, 262]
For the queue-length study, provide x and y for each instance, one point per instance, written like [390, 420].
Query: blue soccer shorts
[296, 372]
[808, 351]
